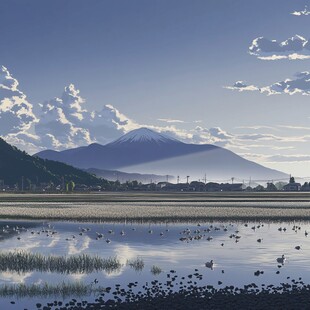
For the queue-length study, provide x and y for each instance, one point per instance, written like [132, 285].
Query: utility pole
[22, 183]
[205, 178]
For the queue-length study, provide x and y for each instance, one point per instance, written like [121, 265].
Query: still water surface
[233, 246]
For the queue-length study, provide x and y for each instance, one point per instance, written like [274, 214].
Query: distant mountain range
[148, 152]
[15, 165]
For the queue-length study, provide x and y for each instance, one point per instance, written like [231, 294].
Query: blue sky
[159, 60]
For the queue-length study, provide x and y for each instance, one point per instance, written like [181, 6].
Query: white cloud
[65, 123]
[256, 127]
[169, 120]
[294, 127]
[242, 86]
[299, 85]
[16, 113]
[304, 12]
[294, 48]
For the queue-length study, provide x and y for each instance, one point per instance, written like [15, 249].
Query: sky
[234, 73]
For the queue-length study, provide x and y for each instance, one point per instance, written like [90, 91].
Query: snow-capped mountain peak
[144, 135]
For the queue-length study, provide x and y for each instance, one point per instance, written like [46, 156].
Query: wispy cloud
[294, 127]
[287, 158]
[169, 120]
[257, 127]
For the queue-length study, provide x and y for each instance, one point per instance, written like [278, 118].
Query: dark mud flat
[287, 296]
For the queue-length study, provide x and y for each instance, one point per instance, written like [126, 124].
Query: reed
[155, 270]
[22, 261]
[46, 290]
[137, 264]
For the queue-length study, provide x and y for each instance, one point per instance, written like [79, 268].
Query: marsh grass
[22, 261]
[137, 264]
[155, 270]
[45, 290]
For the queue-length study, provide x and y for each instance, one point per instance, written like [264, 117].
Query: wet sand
[150, 206]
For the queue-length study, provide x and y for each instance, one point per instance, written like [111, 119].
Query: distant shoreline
[157, 207]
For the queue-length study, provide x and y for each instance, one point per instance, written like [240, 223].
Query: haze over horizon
[228, 73]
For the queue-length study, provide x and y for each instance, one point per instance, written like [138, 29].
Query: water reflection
[237, 249]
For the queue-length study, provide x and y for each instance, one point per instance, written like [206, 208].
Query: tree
[70, 186]
[280, 185]
[305, 187]
[259, 188]
[271, 187]
[292, 180]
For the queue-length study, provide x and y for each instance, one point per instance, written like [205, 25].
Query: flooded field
[52, 262]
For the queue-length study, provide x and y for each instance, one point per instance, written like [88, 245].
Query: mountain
[145, 151]
[114, 175]
[15, 165]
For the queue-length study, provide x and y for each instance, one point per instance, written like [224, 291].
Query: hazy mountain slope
[113, 175]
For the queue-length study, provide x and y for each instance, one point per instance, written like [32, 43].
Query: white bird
[209, 264]
[281, 259]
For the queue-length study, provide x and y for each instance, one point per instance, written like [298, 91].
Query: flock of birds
[187, 235]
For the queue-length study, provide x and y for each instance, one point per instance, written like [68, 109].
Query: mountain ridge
[16, 164]
[148, 152]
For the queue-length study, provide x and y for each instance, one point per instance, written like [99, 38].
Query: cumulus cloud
[16, 113]
[304, 12]
[65, 122]
[298, 85]
[294, 48]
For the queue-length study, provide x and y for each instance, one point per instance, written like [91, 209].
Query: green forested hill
[16, 164]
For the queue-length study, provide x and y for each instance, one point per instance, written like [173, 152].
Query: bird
[281, 259]
[99, 235]
[209, 264]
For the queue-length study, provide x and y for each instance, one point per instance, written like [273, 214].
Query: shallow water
[160, 245]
